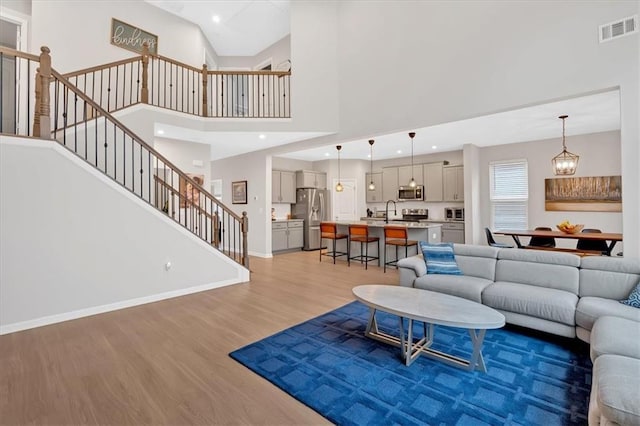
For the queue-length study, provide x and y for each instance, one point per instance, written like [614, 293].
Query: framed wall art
[587, 194]
[239, 192]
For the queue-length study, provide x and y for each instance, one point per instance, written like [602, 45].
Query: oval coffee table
[430, 308]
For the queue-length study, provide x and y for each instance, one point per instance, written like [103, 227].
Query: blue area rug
[327, 363]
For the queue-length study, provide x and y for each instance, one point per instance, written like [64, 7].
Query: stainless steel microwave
[454, 213]
[407, 193]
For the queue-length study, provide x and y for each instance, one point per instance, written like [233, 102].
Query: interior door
[344, 203]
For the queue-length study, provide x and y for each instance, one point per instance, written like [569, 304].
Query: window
[509, 192]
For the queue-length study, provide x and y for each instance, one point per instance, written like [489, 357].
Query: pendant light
[412, 184]
[566, 162]
[339, 187]
[372, 186]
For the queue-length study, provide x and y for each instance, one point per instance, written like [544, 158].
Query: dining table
[611, 238]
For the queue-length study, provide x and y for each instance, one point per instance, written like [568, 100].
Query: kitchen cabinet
[405, 174]
[433, 182]
[283, 187]
[311, 179]
[374, 196]
[390, 183]
[453, 183]
[287, 235]
[453, 232]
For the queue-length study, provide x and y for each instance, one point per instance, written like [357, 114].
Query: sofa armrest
[411, 268]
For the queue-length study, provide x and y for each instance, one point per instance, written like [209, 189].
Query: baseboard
[81, 313]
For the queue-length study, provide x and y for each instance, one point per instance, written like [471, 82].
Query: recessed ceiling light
[399, 151]
[434, 147]
[216, 19]
[262, 136]
[160, 132]
[326, 154]
[368, 155]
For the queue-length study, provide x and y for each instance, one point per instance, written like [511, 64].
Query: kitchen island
[418, 231]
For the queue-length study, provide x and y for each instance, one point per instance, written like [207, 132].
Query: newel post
[144, 93]
[42, 116]
[245, 231]
[204, 90]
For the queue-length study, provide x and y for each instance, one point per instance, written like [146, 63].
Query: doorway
[344, 203]
[9, 37]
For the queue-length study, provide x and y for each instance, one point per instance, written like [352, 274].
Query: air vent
[618, 29]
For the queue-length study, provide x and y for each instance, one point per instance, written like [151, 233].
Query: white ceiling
[245, 27]
[587, 114]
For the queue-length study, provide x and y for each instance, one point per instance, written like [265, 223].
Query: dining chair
[492, 242]
[360, 234]
[594, 245]
[397, 236]
[329, 231]
[542, 241]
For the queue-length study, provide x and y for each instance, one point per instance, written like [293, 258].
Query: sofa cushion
[539, 268]
[634, 298]
[456, 285]
[476, 261]
[617, 388]
[608, 277]
[546, 303]
[615, 336]
[589, 309]
[439, 258]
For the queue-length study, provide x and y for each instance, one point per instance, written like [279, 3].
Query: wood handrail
[102, 67]
[228, 72]
[135, 137]
[178, 63]
[19, 54]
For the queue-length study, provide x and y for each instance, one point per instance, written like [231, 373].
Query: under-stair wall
[75, 243]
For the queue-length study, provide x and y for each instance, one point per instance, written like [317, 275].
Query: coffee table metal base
[411, 350]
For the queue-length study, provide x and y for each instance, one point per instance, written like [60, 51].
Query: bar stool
[396, 236]
[329, 231]
[360, 234]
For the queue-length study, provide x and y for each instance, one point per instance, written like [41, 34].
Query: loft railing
[170, 84]
[58, 109]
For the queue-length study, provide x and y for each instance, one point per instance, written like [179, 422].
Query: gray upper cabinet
[453, 183]
[311, 179]
[374, 196]
[433, 182]
[283, 187]
[390, 183]
[405, 175]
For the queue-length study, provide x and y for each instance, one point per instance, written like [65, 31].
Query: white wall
[77, 32]
[21, 6]
[498, 60]
[74, 243]
[278, 52]
[599, 156]
[182, 154]
[255, 168]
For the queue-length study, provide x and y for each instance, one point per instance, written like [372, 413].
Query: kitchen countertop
[379, 224]
[288, 220]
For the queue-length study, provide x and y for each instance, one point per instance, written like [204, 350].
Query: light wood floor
[167, 362]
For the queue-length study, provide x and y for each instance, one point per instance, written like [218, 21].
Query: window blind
[509, 194]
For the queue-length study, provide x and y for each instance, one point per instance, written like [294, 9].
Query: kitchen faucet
[386, 210]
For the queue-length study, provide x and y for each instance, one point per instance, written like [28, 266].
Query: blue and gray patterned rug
[327, 363]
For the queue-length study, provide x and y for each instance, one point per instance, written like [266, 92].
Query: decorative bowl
[570, 229]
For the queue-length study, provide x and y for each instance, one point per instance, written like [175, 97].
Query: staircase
[75, 110]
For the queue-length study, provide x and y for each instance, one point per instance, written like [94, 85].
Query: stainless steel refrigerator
[311, 205]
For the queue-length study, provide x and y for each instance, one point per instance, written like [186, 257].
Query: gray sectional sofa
[557, 293]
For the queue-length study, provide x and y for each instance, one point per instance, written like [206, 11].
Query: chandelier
[372, 186]
[412, 183]
[566, 162]
[339, 187]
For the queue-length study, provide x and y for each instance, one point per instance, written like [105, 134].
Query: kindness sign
[132, 38]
